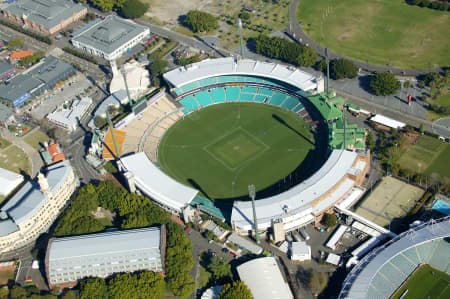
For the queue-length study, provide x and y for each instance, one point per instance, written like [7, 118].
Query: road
[297, 32]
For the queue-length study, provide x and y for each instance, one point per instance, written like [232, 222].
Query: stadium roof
[232, 66]
[156, 184]
[110, 34]
[264, 279]
[300, 197]
[9, 181]
[327, 109]
[109, 149]
[357, 283]
[46, 13]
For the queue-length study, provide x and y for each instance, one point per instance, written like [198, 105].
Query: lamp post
[252, 194]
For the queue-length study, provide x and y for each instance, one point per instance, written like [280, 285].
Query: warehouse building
[41, 77]
[68, 118]
[100, 255]
[47, 16]
[7, 70]
[111, 37]
[6, 115]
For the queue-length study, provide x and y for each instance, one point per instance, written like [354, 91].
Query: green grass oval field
[383, 32]
[244, 143]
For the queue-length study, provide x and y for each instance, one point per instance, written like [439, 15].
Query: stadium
[387, 270]
[157, 158]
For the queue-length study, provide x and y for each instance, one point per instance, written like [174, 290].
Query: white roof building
[151, 181]
[100, 255]
[388, 122]
[68, 118]
[9, 181]
[264, 279]
[300, 251]
[111, 37]
[333, 259]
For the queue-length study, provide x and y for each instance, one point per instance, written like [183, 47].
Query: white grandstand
[384, 269]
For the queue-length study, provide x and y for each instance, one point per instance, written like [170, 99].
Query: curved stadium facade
[227, 80]
[384, 270]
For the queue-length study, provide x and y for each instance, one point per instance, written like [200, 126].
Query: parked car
[304, 234]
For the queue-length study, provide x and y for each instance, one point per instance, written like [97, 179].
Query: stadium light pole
[252, 193]
[328, 70]
[240, 37]
[123, 72]
[111, 127]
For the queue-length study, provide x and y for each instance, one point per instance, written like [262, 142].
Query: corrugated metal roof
[8, 181]
[230, 66]
[264, 278]
[156, 184]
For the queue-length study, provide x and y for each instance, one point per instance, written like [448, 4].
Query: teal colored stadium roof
[207, 206]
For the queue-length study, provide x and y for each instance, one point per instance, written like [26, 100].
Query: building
[264, 279]
[52, 153]
[68, 118]
[20, 54]
[32, 210]
[6, 115]
[100, 255]
[244, 244]
[300, 251]
[111, 37]
[7, 70]
[387, 123]
[9, 181]
[218, 232]
[41, 77]
[47, 16]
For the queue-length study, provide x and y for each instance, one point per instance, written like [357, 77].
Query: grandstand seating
[382, 285]
[297, 108]
[425, 251]
[278, 98]
[218, 95]
[403, 264]
[411, 255]
[265, 91]
[249, 89]
[208, 81]
[247, 97]
[290, 103]
[232, 93]
[190, 103]
[373, 294]
[392, 274]
[204, 98]
[439, 259]
[259, 98]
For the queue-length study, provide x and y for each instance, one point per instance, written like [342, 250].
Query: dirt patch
[170, 10]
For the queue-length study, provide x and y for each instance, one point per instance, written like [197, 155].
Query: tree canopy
[132, 211]
[330, 220]
[280, 48]
[16, 43]
[125, 285]
[158, 66]
[199, 21]
[179, 262]
[342, 68]
[220, 269]
[384, 84]
[133, 9]
[234, 290]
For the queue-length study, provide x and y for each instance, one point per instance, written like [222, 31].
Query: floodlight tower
[328, 71]
[111, 127]
[240, 37]
[124, 75]
[345, 124]
[252, 194]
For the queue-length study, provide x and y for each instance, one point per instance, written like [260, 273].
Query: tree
[384, 84]
[133, 9]
[158, 66]
[235, 290]
[93, 288]
[321, 65]
[16, 43]
[210, 235]
[421, 130]
[330, 220]
[199, 21]
[4, 292]
[245, 16]
[342, 68]
[100, 121]
[370, 141]
[220, 269]
[407, 84]
[17, 292]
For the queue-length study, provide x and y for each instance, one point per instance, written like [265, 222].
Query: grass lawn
[4, 143]
[36, 138]
[379, 32]
[428, 155]
[426, 282]
[224, 148]
[204, 278]
[14, 159]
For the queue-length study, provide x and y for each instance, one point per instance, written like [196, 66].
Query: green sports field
[383, 32]
[428, 155]
[222, 149]
[426, 282]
